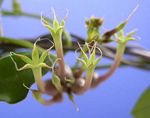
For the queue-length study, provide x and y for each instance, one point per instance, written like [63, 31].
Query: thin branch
[22, 14]
[139, 57]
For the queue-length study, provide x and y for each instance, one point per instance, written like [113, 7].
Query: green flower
[90, 62]
[121, 38]
[36, 63]
[56, 29]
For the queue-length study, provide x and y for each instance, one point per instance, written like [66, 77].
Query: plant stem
[23, 43]
[60, 55]
[137, 52]
[30, 15]
[37, 72]
[89, 77]
[81, 89]
[115, 65]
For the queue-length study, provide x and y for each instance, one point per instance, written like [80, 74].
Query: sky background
[114, 98]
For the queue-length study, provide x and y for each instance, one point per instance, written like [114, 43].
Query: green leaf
[142, 107]
[11, 81]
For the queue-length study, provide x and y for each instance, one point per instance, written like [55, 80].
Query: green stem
[60, 55]
[82, 89]
[89, 77]
[11, 13]
[22, 43]
[115, 65]
[37, 72]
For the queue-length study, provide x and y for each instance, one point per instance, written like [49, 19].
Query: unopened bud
[81, 82]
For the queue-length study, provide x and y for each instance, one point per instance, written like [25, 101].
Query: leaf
[11, 80]
[142, 107]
